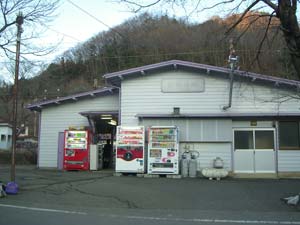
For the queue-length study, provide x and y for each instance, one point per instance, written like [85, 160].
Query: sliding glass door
[254, 151]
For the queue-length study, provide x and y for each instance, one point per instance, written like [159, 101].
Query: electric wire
[166, 54]
[95, 18]
[61, 33]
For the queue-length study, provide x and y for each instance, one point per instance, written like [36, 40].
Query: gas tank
[185, 167]
[218, 163]
[193, 168]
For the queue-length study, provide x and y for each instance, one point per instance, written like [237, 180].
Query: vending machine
[76, 150]
[163, 150]
[130, 149]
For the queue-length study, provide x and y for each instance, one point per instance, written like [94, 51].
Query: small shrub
[22, 157]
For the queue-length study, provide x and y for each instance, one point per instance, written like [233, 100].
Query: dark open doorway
[103, 126]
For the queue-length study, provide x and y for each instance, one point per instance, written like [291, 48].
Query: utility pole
[232, 60]
[19, 22]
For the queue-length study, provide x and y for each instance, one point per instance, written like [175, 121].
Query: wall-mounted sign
[182, 85]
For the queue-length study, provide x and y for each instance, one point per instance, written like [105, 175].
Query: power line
[61, 33]
[95, 18]
[166, 54]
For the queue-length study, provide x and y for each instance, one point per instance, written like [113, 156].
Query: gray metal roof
[73, 98]
[5, 125]
[219, 115]
[116, 77]
[97, 113]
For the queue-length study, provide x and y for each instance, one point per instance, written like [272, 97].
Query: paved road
[100, 198]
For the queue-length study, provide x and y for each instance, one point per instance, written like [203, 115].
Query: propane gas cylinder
[184, 166]
[193, 166]
[218, 163]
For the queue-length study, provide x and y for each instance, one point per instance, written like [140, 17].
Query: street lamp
[19, 22]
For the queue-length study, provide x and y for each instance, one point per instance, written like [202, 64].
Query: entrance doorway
[103, 125]
[105, 135]
[254, 150]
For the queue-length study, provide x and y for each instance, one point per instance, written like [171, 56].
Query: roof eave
[116, 77]
[72, 98]
[219, 115]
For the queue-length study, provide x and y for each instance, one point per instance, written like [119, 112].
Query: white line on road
[195, 220]
[43, 209]
[198, 220]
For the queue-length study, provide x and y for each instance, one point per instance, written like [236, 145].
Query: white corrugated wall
[143, 95]
[208, 152]
[58, 118]
[289, 161]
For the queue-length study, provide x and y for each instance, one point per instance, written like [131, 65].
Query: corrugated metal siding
[288, 161]
[57, 119]
[142, 95]
[208, 152]
[196, 130]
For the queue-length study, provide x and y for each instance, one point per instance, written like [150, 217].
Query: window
[264, 139]
[3, 137]
[289, 135]
[243, 140]
[9, 138]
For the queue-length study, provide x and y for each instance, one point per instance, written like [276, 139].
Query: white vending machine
[130, 149]
[163, 150]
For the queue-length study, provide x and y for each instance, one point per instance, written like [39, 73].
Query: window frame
[257, 141]
[236, 142]
[253, 130]
[288, 148]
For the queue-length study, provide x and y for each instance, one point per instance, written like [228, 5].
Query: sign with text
[182, 85]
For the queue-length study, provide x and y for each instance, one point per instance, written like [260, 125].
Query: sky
[72, 26]
[78, 20]
[75, 22]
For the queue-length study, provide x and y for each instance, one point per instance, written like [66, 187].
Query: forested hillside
[149, 39]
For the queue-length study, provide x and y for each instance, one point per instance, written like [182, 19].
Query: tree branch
[271, 4]
[242, 16]
[140, 6]
[264, 37]
[248, 26]
[34, 12]
[6, 26]
[217, 4]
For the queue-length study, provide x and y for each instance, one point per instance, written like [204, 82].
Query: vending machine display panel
[130, 149]
[163, 150]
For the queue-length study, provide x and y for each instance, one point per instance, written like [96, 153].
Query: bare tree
[285, 11]
[36, 14]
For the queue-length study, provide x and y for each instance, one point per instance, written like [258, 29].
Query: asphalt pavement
[50, 196]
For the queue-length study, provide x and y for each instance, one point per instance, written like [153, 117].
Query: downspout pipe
[233, 62]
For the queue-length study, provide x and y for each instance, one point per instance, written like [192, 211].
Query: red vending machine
[76, 150]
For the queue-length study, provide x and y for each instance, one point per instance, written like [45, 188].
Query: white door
[264, 153]
[254, 151]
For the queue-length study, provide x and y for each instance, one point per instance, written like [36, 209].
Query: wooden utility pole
[232, 60]
[19, 22]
